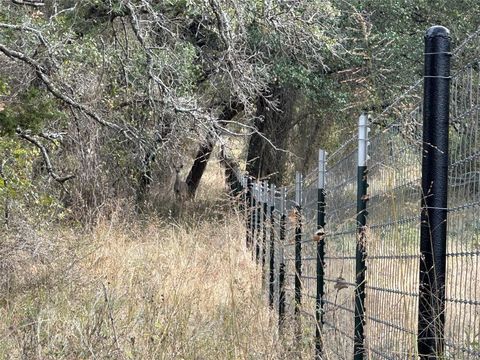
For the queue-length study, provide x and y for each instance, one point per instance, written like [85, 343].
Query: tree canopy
[99, 99]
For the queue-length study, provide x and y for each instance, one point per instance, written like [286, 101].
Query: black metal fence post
[433, 233]
[360, 266]
[271, 281]
[320, 238]
[281, 272]
[253, 217]
[298, 250]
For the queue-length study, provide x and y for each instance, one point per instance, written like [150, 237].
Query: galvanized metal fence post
[272, 247]
[320, 238]
[298, 249]
[360, 266]
[433, 233]
[281, 271]
[248, 212]
[264, 231]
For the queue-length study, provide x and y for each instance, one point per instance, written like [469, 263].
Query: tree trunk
[274, 124]
[198, 167]
[205, 150]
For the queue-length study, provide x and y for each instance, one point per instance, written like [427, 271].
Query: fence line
[398, 278]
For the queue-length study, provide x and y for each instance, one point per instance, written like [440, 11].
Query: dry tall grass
[157, 289]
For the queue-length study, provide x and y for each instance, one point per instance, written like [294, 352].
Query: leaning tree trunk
[205, 150]
[199, 166]
[263, 160]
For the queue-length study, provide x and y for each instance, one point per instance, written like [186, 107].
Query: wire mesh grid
[278, 250]
[462, 309]
[392, 261]
[393, 229]
[309, 253]
[289, 248]
[340, 243]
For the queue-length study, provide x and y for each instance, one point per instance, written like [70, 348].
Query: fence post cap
[436, 31]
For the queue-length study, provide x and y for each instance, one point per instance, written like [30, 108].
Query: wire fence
[365, 258]
[462, 336]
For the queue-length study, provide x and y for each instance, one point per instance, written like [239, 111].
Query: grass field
[162, 288]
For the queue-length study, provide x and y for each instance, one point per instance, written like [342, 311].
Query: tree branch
[46, 157]
[58, 94]
[33, 3]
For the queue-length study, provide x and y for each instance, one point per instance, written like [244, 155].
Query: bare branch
[60, 95]
[33, 3]
[46, 157]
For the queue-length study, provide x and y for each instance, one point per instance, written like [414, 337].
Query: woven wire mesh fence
[462, 308]
[393, 251]
[309, 274]
[289, 249]
[283, 222]
[340, 241]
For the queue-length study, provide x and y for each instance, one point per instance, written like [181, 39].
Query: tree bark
[263, 160]
[205, 150]
[199, 166]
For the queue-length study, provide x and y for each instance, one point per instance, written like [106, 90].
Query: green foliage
[3, 88]
[187, 70]
[32, 110]
[335, 57]
[290, 73]
[15, 181]
[386, 38]
[17, 184]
